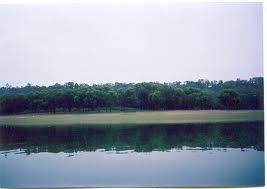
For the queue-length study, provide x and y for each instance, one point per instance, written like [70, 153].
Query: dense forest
[73, 97]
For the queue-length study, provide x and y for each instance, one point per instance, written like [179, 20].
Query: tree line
[73, 97]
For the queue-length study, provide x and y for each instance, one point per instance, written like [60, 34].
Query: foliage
[202, 94]
[229, 98]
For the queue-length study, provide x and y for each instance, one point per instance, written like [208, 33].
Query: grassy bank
[156, 117]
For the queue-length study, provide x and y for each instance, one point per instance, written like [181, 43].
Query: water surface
[133, 156]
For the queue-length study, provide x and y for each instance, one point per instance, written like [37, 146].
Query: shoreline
[134, 118]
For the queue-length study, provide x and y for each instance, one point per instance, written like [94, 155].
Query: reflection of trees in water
[137, 138]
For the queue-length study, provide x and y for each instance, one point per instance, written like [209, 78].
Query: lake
[230, 154]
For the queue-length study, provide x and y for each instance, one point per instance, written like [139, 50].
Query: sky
[107, 43]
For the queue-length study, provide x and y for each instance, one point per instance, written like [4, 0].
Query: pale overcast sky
[45, 44]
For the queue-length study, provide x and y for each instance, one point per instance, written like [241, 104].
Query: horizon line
[7, 85]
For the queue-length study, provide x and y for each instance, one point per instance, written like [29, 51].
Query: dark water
[133, 156]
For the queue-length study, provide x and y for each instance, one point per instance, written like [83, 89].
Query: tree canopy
[73, 97]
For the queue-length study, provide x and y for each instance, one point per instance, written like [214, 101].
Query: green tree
[229, 98]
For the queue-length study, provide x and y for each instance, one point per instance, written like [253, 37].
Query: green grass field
[152, 117]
